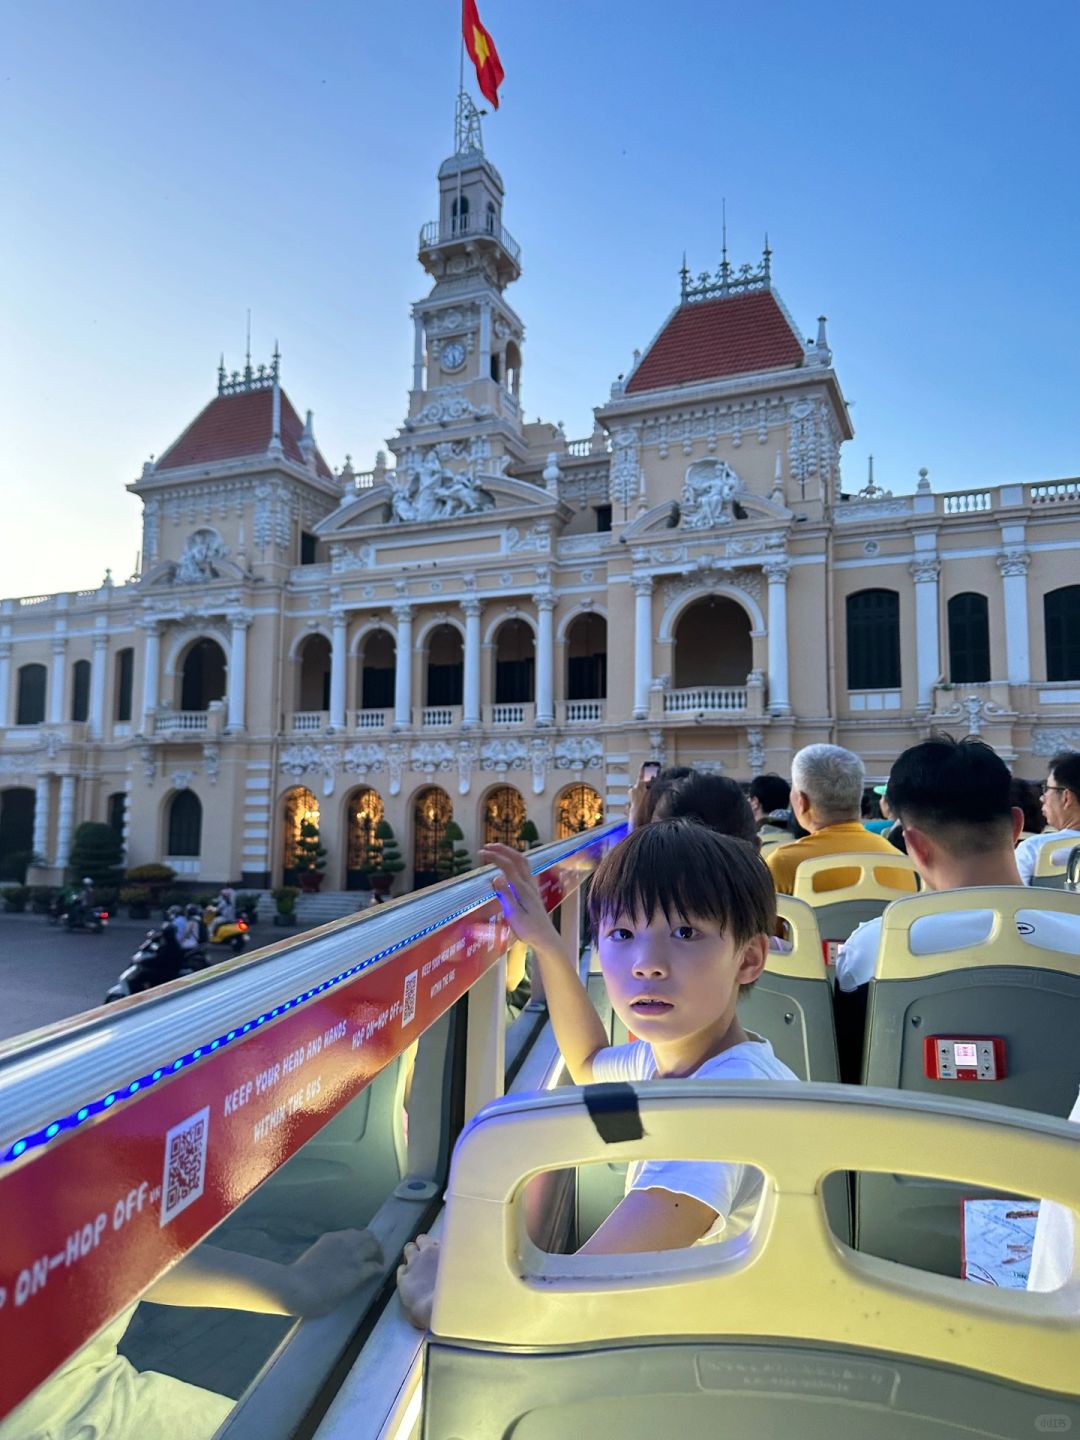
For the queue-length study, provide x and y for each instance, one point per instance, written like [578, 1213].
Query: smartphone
[650, 770]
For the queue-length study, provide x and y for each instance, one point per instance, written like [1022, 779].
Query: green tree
[309, 854]
[452, 858]
[528, 837]
[97, 851]
[385, 854]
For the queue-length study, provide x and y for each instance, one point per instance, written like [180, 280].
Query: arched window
[125, 679]
[364, 810]
[504, 814]
[432, 812]
[459, 214]
[873, 640]
[80, 690]
[30, 707]
[578, 808]
[185, 824]
[445, 666]
[586, 658]
[1061, 617]
[203, 678]
[712, 644]
[314, 694]
[969, 639]
[377, 671]
[514, 663]
[299, 805]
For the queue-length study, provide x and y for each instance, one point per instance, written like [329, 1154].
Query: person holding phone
[651, 779]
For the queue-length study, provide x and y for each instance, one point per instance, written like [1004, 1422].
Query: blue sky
[165, 167]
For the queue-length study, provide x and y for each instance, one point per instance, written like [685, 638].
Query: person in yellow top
[826, 797]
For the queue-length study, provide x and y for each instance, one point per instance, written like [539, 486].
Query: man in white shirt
[952, 799]
[1061, 808]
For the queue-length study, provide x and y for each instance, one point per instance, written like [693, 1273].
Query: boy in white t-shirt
[681, 917]
[953, 800]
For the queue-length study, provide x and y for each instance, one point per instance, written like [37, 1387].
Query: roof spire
[684, 277]
[766, 259]
[725, 268]
[222, 377]
[247, 352]
[307, 442]
[275, 446]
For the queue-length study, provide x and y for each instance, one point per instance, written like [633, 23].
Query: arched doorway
[184, 830]
[313, 689]
[515, 663]
[16, 832]
[712, 644]
[377, 666]
[445, 666]
[298, 805]
[432, 812]
[504, 814]
[364, 810]
[586, 658]
[202, 675]
[578, 808]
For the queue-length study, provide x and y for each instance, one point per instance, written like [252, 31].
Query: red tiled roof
[708, 339]
[234, 426]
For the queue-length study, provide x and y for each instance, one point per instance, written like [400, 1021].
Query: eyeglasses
[1046, 789]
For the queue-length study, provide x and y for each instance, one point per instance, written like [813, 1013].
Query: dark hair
[772, 792]
[660, 782]
[1024, 795]
[871, 810]
[948, 786]
[1065, 768]
[683, 869]
[710, 800]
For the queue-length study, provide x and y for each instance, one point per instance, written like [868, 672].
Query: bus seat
[1072, 871]
[1006, 989]
[1051, 864]
[874, 880]
[783, 1332]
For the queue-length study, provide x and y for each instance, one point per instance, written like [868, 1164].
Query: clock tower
[467, 357]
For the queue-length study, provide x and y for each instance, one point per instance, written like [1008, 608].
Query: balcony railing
[440, 716]
[371, 719]
[308, 722]
[969, 503]
[172, 720]
[469, 228]
[583, 712]
[519, 713]
[706, 700]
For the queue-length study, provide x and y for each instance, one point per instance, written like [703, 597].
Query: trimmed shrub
[97, 852]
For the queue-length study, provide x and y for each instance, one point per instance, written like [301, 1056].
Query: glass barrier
[232, 1163]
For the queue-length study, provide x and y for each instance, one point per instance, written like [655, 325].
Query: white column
[41, 815]
[97, 685]
[403, 668]
[776, 572]
[235, 720]
[5, 681]
[56, 680]
[1013, 564]
[925, 573]
[151, 665]
[65, 824]
[338, 670]
[643, 643]
[485, 340]
[418, 353]
[472, 608]
[545, 659]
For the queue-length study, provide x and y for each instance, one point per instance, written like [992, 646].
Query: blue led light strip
[124, 1092]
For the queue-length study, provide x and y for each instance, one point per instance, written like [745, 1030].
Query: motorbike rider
[82, 904]
[225, 908]
[192, 937]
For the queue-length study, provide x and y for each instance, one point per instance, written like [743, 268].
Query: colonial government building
[504, 623]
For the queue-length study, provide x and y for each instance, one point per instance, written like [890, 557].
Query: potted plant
[15, 898]
[284, 898]
[41, 898]
[247, 904]
[387, 861]
[97, 852]
[137, 898]
[452, 858]
[155, 878]
[309, 859]
[528, 837]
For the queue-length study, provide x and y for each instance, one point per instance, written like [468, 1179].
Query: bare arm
[648, 1220]
[578, 1028]
[314, 1284]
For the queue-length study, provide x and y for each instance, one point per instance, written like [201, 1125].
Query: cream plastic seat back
[1072, 871]
[875, 881]
[1052, 863]
[791, 1002]
[784, 1333]
[1005, 990]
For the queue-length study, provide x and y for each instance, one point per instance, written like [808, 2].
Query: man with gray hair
[826, 796]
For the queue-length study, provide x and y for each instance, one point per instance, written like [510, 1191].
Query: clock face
[453, 355]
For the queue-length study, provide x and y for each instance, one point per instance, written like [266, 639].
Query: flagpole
[457, 105]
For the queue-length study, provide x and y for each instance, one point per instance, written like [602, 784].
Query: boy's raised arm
[578, 1029]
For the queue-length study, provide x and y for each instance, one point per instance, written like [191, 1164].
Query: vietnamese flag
[482, 52]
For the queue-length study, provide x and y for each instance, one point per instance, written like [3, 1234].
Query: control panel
[964, 1057]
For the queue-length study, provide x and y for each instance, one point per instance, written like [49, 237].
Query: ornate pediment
[205, 557]
[407, 504]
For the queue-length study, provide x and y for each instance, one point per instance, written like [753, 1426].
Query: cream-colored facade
[506, 623]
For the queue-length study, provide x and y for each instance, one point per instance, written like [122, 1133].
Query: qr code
[408, 1000]
[185, 1164]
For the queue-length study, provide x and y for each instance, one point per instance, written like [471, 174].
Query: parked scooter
[158, 960]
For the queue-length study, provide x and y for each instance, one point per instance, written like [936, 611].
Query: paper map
[997, 1237]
